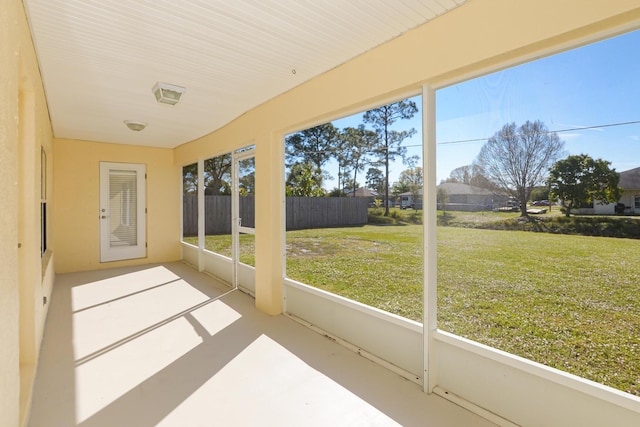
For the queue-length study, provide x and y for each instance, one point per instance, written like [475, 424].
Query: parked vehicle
[406, 202]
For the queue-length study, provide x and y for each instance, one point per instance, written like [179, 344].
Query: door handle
[104, 216]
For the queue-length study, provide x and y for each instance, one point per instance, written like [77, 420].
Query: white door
[242, 206]
[122, 211]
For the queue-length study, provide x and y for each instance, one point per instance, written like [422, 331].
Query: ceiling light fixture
[166, 93]
[135, 126]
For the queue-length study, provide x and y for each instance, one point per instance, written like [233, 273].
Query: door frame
[236, 225]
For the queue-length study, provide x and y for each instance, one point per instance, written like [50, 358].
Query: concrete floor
[167, 346]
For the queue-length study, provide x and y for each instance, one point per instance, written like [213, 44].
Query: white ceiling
[99, 59]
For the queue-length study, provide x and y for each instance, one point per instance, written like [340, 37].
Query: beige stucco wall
[9, 353]
[34, 136]
[77, 185]
[478, 37]
[24, 278]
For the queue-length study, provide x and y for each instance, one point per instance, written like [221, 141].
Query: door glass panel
[123, 224]
[217, 204]
[247, 249]
[246, 205]
[246, 185]
[190, 204]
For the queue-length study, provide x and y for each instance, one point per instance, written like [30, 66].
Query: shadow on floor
[165, 345]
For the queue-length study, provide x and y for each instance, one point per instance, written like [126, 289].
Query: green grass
[221, 244]
[550, 222]
[478, 219]
[396, 216]
[571, 302]
[377, 265]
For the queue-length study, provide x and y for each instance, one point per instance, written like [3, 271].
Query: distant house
[629, 202]
[372, 195]
[464, 197]
[363, 192]
[630, 184]
[460, 197]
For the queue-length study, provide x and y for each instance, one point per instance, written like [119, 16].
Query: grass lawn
[376, 265]
[571, 302]
[221, 244]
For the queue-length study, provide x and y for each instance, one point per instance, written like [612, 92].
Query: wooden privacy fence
[323, 212]
[302, 213]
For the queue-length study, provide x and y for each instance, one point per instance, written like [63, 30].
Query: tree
[413, 180]
[471, 175]
[400, 187]
[375, 180]
[190, 179]
[350, 187]
[442, 198]
[413, 176]
[302, 181]
[462, 174]
[247, 178]
[516, 159]
[344, 177]
[389, 140]
[217, 175]
[540, 193]
[315, 145]
[355, 146]
[336, 192]
[579, 180]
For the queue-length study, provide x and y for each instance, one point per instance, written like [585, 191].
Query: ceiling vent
[166, 93]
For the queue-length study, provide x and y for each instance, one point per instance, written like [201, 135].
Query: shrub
[605, 226]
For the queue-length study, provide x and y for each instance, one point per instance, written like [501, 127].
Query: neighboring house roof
[409, 193]
[630, 180]
[460, 188]
[364, 192]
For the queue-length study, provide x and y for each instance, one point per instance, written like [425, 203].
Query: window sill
[46, 259]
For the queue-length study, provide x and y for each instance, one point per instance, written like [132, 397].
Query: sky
[596, 86]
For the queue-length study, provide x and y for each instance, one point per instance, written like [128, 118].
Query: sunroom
[114, 118]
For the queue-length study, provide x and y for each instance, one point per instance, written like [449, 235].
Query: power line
[462, 141]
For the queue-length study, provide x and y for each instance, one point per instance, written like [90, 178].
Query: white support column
[429, 206]
[201, 222]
